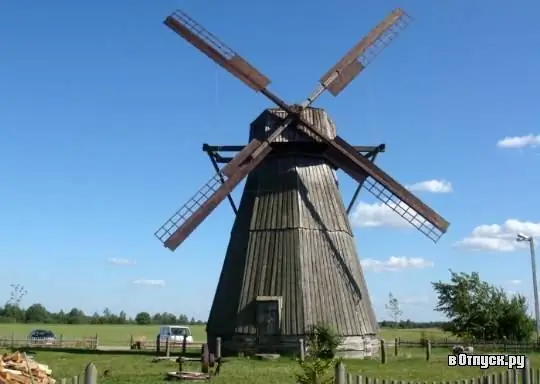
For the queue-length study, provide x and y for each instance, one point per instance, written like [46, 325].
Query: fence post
[90, 374]
[96, 342]
[167, 347]
[339, 374]
[302, 349]
[383, 352]
[12, 340]
[396, 346]
[158, 345]
[184, 345]
[75, 380]
[428, 350]
[526, 373]
[218, 348]
[131, 341]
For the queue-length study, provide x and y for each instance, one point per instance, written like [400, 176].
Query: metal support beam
[370, 152]
[371, 157]
[212, 156]
[237, 148]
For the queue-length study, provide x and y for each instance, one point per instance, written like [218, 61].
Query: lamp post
[521, 238]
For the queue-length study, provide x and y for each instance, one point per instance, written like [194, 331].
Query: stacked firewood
[17, 368]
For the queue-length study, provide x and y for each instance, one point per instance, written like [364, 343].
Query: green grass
[120, 334]
[108, 334]
[140, 368]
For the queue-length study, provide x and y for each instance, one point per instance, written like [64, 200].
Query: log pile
[16, 368]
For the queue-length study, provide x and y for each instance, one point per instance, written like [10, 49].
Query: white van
[175, 333]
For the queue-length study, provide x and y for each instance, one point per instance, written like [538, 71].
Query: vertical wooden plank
[302, 349]
[358, 379]
[63, 381]
[383, 351]
[218, 348]
[526, 373]
[428, 350]
[167, 347]
[396, 346]
[184, 345]
[339, 374]
[90, 374]
[75, 380]
[508, 377]
[516, 376]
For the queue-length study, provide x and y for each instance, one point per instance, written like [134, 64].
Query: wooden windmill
[291, 260]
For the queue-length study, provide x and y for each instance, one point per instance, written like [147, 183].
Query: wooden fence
[16, 341]
[93, 342]
[481, 345]
[514, 376]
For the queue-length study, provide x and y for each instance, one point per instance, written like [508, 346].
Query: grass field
[121, 334]
[141, 369]
[410, 366]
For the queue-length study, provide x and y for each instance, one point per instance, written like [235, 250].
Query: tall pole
[535, 287]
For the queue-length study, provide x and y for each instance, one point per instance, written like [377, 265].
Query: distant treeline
[37, 313]
[409, 324]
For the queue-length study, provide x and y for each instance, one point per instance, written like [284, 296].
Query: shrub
[317, 368]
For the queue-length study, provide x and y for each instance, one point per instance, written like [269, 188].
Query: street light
[521, 238]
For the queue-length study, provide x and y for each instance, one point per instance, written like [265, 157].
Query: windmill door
[268, 318]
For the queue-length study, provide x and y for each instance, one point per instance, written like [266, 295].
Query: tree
[479, 310]
[18, 292]
[76, 316]
[394, 309]
[36, 313]
[143, 318]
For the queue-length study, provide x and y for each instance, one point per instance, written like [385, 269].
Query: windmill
[291, 261]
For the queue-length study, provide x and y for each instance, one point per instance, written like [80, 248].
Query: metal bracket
[216, 158]
[371, 156]
[369, 152]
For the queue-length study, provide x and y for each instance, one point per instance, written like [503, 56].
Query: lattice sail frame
[341, 154]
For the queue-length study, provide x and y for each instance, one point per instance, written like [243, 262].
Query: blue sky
[103, 111]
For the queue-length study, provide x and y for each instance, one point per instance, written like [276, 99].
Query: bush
[323, 341]
[316, 369]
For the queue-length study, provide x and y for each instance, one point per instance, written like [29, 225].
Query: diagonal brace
[213, 156]
[371, 156]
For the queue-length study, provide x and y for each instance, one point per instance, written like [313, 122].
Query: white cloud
[160, 283]
[499, 238]
[517, 142]
[120, 261]
[515, 282]
[380, 215]
[433, 186]
[395, 263]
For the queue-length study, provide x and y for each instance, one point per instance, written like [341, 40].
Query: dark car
[41, 336]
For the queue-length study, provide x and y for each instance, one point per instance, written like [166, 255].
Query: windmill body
[291, 260]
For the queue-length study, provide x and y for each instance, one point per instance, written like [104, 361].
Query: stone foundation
[359, 347]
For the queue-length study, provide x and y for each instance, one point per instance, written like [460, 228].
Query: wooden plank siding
[292, 238]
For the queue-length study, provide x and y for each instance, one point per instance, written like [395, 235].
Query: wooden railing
[510, 376]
